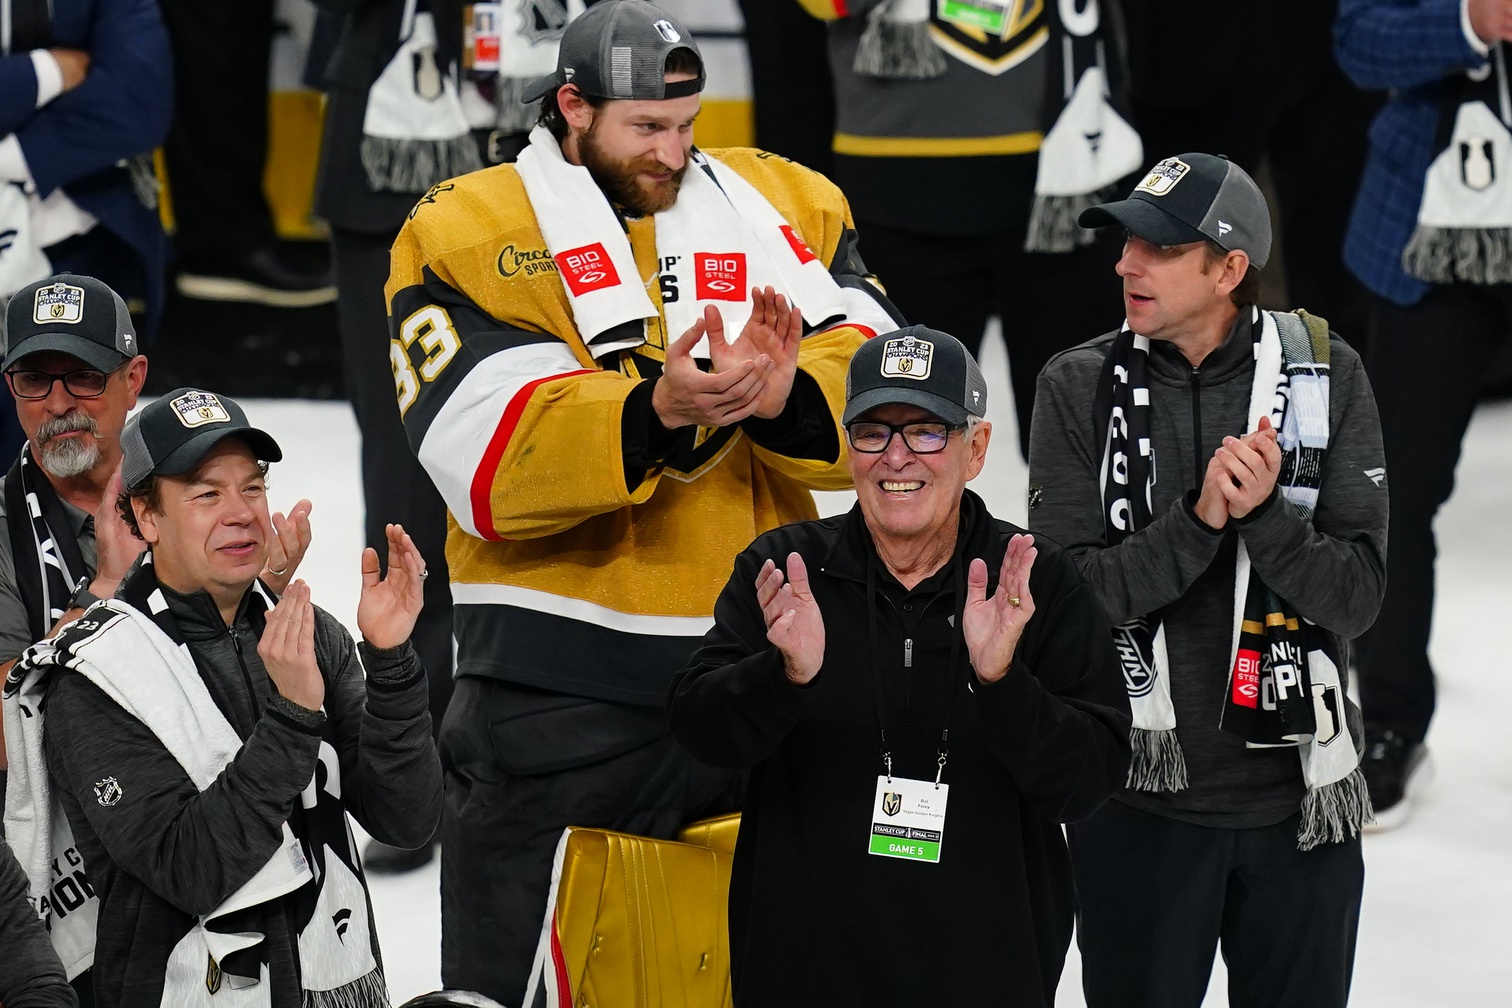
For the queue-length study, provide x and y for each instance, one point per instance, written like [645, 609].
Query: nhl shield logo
[1163, 177]
[198, 408]
[1134, 644]
[908, 357]
[108, 792]
[892, 801]
[59, 303]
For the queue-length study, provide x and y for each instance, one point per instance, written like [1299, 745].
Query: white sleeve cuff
[49, 76]
[1470, 36]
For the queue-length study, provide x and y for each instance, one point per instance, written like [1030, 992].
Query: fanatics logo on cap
[1163, 177]
[198, 408]
[907, 358]
[59, 303]
[666, 31]
[720, 276]
[587, 269]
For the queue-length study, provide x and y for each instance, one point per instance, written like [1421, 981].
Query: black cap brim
[1142, 218]
[952, 413]
[538, 88]
[96, 356]
[189, 454]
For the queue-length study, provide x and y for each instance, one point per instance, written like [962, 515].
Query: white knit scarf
[722, 237]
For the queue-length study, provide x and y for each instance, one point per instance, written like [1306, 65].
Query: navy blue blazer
[122, 109]
[1408, 47]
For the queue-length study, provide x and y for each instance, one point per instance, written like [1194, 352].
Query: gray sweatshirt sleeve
[1150, 569]
[1332, 569]
[193, 848]
[390, 771]
[30, 974]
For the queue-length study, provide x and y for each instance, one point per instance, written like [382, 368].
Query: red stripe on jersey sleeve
[482, 483]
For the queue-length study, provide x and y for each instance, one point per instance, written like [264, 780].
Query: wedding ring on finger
[279, 573]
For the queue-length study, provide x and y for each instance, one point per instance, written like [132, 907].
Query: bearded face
[640, 183]
[68, 445]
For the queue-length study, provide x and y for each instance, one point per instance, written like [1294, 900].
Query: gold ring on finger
[1013, 600]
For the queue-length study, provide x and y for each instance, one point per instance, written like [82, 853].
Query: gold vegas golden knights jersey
[570, 572]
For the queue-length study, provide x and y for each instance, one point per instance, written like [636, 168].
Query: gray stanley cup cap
[618, 49]
[76, 315]
[1190, 198]
[917, 366]
[173, 434]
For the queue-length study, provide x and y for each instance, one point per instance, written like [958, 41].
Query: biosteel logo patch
[587, 269]
[1247, 678]
[800, 248]
[719, 276]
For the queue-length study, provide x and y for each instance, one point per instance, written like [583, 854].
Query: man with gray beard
[73, 363]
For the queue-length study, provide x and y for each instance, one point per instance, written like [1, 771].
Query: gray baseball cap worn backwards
[173, 434]
[1191, 198]
[76, 315]
[916, 366]
[618, 49]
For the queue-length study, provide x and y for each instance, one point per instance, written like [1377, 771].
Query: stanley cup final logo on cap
[1163, 177]
[199, 408]
[59, 302]
[908, 357]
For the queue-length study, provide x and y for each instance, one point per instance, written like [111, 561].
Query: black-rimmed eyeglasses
[921, 438]
[85, 383]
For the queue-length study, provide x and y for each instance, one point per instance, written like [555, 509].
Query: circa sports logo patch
[587, 269]
[59, 303]
[908, 357]
[196, 408]
[1163, 177]
[108, 791]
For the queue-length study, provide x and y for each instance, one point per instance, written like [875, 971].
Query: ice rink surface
[1437, 919]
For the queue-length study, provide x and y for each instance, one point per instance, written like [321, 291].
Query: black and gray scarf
[1284, 687]
[1088, 146]
[49, 564]
[1464, 226]
[134, 650]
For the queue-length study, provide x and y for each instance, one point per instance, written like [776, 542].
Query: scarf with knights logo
[1284, 686]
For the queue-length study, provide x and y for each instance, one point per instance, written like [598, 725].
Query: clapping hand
[388, 608]
[992, 626]
[794, 625]
[287, 546]
[774, 331]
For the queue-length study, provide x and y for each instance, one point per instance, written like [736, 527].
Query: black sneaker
[381, 859]
[266, 277]
[1397, 771]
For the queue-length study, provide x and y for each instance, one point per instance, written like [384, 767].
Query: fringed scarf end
[1158, 763]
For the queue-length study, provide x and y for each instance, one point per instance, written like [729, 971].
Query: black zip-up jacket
[30, 974]
[814, 918]
[1332, 569]
[178, 852]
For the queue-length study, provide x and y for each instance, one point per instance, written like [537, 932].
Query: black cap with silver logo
[917, 366]
[1190, 198]
[76, 315]
[618, 49]
[173, 434]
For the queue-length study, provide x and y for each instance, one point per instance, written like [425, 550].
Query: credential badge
[908, 357]
[59, 303]
[198, 408]
[1163, 177]
[108, 791]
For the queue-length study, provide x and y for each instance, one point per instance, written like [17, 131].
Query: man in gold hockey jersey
[620, 360]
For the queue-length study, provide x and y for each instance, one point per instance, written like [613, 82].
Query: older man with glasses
[73, 362]
[923, 695]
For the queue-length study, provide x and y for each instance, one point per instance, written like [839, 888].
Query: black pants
[1428, 365]
[217, 146]
[1155, 897]
[521, 765]
[394, 486]
[954, 284]
[792, 92]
